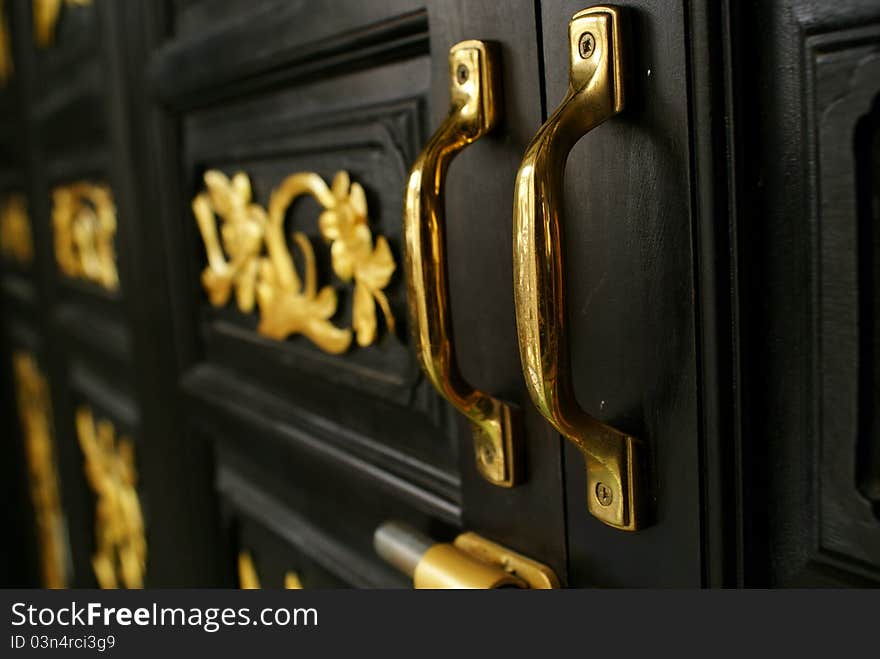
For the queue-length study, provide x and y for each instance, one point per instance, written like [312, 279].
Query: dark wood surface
[721, 271]
[631, 298]
[867, 180]
[343, 444]
[806, 81]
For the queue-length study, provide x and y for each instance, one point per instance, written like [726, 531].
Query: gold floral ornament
[16, 241]
[288, 303]
[241, 233]
[32, 394]
[248, 579]
[84, 225]
[344, 225]
[120, 546]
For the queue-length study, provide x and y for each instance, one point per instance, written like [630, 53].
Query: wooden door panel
[61, 86]
[479, 211]
[230, 47]
[361, 93]
[373, 142]
[720, 270]
[69, 80]
[319, 127]
[46, 508]
[369, 405]
[21, 559]
[275, 560]
[311, 470]
[846, 138]
[285, 521]
[630, 284]
[808, 302]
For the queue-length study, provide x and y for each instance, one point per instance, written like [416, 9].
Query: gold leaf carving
[292, 582]
[241, 233]
[248, 579]
[16, 242]
[247, 572]
[120, 546]
[289, 303]
[32, 394]
[84, 224]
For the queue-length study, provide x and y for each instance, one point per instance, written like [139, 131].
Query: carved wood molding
[280, 61]
[844, 87]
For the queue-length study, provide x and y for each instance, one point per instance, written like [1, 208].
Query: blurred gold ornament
[84, 223]
[16, 242]
[120, 546]
[34, 408]
[248, 579]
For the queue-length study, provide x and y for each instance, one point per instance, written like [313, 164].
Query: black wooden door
[313, 451]
[808, 294]
[240, 442]
[206, 313]
[631, 299]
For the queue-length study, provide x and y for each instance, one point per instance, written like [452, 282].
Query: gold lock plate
[535, 574]
[471, 561]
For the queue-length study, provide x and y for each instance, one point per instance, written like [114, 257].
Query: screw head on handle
[587, 45]
[604, 494]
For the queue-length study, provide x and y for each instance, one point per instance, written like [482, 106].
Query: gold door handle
[614, 483]
[474, 89]
[469, 562]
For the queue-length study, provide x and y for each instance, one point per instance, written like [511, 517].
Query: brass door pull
[474, 90]
[614, 483]
[470, 561]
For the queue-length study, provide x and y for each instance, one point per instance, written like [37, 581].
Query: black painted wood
[19, 565]
[712, 203]
[32, 71]
[479, 201]
[721, 271]
[867, 174]
[803, 82]
[628, 233]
